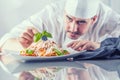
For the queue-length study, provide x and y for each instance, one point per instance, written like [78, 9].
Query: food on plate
[42, 46]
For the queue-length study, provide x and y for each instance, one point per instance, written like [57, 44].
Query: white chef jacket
[51, 19]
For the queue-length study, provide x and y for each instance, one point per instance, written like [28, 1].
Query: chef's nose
[73, 27]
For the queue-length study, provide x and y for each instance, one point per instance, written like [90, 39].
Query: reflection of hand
[26, 76]
[26, 37]
[83, 45]
[78, 74]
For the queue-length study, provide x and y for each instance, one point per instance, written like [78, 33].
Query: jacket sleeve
[112, 27]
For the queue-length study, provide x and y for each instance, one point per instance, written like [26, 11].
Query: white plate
[17, 56]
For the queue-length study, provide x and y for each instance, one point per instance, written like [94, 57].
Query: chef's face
[75, 27]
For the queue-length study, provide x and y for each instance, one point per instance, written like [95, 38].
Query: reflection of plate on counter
[17, 56]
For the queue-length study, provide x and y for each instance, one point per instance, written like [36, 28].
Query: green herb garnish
[45, 33]
[28, 51]
[65, 51]
[59, 53]
[39, 35]
[36, 78]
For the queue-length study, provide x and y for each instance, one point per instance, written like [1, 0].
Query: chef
[74, 24]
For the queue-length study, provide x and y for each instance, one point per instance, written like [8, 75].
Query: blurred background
[12, 12]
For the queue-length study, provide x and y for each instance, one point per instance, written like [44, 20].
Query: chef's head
[80, 15]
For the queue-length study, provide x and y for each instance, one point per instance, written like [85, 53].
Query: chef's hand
[83, 45]
[26, 38]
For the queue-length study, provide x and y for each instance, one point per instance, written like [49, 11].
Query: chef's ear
[94, 19]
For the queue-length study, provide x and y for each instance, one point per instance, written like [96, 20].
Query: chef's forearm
[12, 44]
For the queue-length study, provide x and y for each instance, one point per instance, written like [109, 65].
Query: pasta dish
[44, 48]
